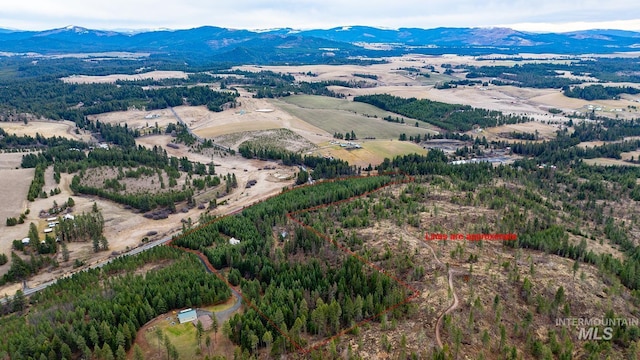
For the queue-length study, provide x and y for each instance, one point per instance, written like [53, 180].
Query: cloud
[256, 14]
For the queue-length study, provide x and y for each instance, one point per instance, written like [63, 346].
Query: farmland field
[336, 115]
[88, 79]
[373, 152]
[45, 128]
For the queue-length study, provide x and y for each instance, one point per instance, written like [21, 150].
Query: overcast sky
[530, 15]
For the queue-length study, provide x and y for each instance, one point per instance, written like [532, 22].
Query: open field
[276, 138]
[106, 79]
[373, 152]
[10, 160]
[64, 129]
[545, 131]
[250, 115]
[390, 74]
[587, 144]
[508, 99]
[608, 162]
[631, 154]
[336, 115]
[137, 119]
[14, 185]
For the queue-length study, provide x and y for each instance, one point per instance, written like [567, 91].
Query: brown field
[106, 79]
[14, 185]
[45, 128]
[275, 138]
[608, 162]
[137, 119]
[10, 160]
[631, 154]
[508, 99]
[373, 152]
[545, 131]
[586, 144]
[245, 118]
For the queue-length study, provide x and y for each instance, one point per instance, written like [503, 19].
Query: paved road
[139, 249]
[223, 315]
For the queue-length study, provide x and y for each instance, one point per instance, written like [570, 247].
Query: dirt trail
[453, 306]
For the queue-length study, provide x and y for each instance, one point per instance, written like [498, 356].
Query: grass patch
[220, 307]
[182, 336]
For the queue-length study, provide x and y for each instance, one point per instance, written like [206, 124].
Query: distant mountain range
[213, 44]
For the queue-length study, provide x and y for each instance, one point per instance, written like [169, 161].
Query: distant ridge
[281, 45]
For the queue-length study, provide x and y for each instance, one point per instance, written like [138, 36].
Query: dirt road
[451, 307]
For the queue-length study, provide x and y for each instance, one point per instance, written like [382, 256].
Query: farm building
[187, 315]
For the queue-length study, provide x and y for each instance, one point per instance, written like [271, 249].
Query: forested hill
[337, 45]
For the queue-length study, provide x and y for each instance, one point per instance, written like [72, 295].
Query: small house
[48, 230]
[26, 241]
[69, 217]
[234, 241]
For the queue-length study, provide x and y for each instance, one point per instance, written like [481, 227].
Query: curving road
[222, 315]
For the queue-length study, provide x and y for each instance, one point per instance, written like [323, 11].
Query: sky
[527, 15]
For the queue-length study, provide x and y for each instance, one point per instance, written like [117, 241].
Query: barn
[187, 315]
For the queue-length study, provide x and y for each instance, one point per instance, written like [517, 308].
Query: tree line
[450, 117]
[598, 92]
[323, 168]
[55, 99]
